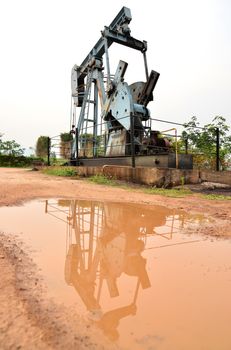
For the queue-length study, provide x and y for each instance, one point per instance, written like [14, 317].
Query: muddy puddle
[132, 270]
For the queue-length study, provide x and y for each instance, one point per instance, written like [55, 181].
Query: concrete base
[160, 177]
[223, 177]
[153, 176]
[154, 161]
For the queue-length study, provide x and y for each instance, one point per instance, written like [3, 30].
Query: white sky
[189, 43]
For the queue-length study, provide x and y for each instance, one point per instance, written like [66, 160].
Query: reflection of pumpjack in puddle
[123, 259]
[109, 241]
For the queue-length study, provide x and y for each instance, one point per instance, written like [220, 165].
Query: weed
[172, 192]
[67, 172]
[182, 180]
[58, 161]
[216, 197]
[102, 180]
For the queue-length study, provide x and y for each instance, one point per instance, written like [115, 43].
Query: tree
[0, 142]
[10, 148]
[202, 141]
[42, 146]
[65, 144]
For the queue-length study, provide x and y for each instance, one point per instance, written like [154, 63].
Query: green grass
[216, 197]
[102, 180]
[59, 161]
[67, 172]
[172, 192]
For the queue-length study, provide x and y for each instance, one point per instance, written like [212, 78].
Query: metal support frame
[77, 144]
[132, 143]
[95, 120]
[107, 62]
[48, 150]
[217, 149]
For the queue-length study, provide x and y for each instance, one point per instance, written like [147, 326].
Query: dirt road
[27, 319]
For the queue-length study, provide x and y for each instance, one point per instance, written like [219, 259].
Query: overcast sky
[189, 44]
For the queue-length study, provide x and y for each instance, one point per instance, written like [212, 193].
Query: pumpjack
[113, 116]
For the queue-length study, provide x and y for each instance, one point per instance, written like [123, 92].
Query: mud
[29, 318]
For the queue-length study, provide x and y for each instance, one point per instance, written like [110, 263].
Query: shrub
[19, 162]
[64, 171]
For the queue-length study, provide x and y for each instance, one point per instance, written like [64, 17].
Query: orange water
[131, 270]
